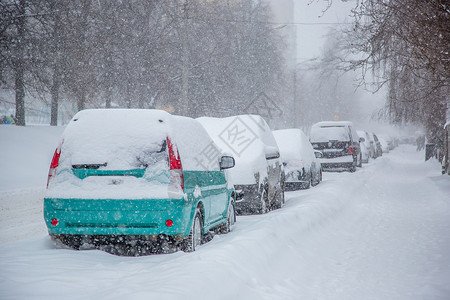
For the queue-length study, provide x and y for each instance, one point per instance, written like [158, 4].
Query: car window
[329, 133]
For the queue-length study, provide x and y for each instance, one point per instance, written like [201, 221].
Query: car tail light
[176, 170]
[55, 162]
[350, 149]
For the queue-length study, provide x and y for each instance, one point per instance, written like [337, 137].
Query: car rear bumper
[338, 163]
[117, 217]
[298, 185]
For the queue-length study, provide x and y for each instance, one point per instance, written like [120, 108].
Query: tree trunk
[81, 100]
[56, 77]
[184, 105]
[20, 67]
[55, 97]
[20, 96]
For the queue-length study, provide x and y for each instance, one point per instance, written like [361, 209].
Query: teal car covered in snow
[123, 178]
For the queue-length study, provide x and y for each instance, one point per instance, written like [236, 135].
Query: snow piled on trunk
[378, 233]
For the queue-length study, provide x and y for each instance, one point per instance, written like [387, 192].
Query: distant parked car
[339, 143]
[390, 141]
[373, 146]
[150, 182]
[407, 139]
[365, 146]
[301, 166]
[258, 176]
[378, 148]
[384, 145]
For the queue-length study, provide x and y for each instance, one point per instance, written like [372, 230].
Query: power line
[210, 20]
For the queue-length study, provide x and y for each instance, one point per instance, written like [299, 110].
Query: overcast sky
[310, 36]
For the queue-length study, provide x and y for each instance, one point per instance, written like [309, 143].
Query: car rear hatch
[116, 179]
[333, 141]
[332, 149]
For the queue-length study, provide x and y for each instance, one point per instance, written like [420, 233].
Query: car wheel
[317, 179]
[231, 219]
[279, 198]
[307, 184]
[194, 239]
[264, 200]
[71, 241]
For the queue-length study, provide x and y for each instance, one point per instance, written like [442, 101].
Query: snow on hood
[248, 138]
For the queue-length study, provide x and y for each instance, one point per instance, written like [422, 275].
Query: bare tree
[404, 44]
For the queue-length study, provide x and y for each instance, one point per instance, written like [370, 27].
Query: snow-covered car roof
[325, 134]
[333, 123]
[294, 145]
[247, 138]
[118, 136]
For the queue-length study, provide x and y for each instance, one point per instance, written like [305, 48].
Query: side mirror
[273, 155]
[318, 154]
[362, 140]
[226, 162]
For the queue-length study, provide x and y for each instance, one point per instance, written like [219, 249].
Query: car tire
[307, 185]
[360, 160]
[264, 197]
[279, 198]
[195, 237]
[311, 180]
[231, 219]
[317, 179]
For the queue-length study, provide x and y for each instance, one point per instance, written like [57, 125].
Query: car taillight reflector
[169, 223]
[176, 170]
[54, 164]
[350, 150]
[55, 222]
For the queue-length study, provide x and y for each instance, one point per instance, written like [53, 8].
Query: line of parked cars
[344, 148]
[166, 182]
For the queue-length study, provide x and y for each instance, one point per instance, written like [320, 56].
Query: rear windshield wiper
[89, 166]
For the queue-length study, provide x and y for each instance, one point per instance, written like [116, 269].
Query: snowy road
[379, 233]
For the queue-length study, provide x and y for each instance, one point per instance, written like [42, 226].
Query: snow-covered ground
[379, 233]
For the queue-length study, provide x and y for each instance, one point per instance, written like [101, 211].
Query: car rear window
[329, 133]
[114, 140]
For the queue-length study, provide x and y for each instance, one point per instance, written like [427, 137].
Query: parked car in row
[378, 148]
[339, 143]
[151, 183]
[390, 142]
[301, 166]
[367, 148]
[164, 182]
[258, 176]
[384, 145]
